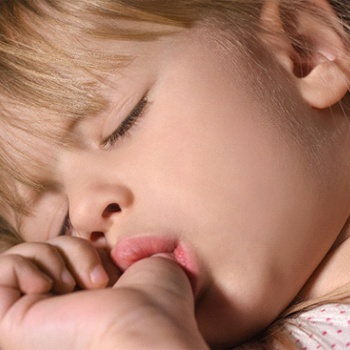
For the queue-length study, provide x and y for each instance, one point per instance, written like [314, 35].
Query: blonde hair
[59, 82]
[41, 72]
[46, 69]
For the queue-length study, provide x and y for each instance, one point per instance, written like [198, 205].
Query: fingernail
[67, 278]
[98, 276]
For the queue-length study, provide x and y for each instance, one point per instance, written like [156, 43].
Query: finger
[160, 276]
[48, 259]
[20, 276]
[83, 261]
[112, 270]
[159, 296]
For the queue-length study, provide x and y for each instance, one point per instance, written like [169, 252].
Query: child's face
[207, 165]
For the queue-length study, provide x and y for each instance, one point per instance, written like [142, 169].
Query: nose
[95, 209]
[97, 198]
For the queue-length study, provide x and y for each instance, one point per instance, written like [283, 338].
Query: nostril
[96, 236]
[112, 208]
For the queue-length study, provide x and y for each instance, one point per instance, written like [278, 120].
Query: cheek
[216, 161]
[235, 177]
[45, 219]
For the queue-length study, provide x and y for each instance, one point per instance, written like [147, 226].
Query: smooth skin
[214, 162]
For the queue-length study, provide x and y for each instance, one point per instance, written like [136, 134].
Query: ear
[310, 44]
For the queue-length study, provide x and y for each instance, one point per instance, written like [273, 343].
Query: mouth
[131, 249]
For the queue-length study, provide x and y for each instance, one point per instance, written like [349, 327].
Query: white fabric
[325, 327]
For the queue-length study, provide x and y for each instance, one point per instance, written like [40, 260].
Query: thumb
[159, 276]
[164, 290]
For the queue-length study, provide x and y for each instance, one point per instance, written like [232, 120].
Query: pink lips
[131, 249]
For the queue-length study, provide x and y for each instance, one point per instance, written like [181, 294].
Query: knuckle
[13, 259]
[77, 250]
[40, 253]
[71, 241]
[46, 252]
[29, 247]
[14, 262]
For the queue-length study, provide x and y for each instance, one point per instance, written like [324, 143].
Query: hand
[154, 309]
[61, 265]
[151, 305]
[66, 262]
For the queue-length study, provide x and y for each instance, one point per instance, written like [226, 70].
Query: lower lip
[131, 249]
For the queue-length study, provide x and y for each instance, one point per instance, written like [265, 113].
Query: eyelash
[126, 124]
[66, 226]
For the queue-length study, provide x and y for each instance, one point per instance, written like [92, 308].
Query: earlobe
[325, 85]
[309, 43]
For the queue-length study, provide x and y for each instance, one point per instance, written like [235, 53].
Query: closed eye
[66, 227]
[126, 124]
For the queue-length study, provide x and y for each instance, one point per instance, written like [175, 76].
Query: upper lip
[128, 250]
[131, 249]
